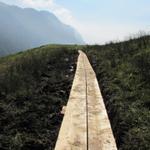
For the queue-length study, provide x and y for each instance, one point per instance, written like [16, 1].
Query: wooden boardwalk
[85, 125]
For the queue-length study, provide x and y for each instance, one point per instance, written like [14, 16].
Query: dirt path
[85, 125]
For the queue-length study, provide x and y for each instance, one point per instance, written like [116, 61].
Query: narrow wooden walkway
[85, 125]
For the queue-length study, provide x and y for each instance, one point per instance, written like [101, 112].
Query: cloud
[38, 4]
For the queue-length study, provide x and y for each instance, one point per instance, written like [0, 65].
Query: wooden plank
[86, 124]
[73, 132]
[100, 136]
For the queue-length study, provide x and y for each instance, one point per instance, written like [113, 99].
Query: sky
[98, 21]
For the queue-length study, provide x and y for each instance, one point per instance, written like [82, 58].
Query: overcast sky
[98, 21]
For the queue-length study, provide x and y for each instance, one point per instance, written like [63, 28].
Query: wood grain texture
[73, 132]
[86, 124]
[100, 136]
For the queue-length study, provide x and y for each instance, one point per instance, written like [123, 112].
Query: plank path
[86, 125]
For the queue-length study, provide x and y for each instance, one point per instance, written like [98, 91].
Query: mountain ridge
[28, 28]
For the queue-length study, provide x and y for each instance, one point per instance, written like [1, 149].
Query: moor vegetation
[34, 85]
[123, 71]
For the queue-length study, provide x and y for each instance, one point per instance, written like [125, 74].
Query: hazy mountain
[27, 28]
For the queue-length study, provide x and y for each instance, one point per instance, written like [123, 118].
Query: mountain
[24, 28]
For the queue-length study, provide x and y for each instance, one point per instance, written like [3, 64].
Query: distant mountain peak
[27, 28]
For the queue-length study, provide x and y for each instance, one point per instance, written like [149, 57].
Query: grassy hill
[123, 71]
[34, 85]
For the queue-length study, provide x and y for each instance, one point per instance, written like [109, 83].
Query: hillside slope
[34, 85]
[27, 28]
[123, 72]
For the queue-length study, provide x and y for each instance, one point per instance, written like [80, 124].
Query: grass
[34, 85]
[123, 72]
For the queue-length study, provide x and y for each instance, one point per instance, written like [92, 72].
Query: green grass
[123, 72]
[34, 85]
